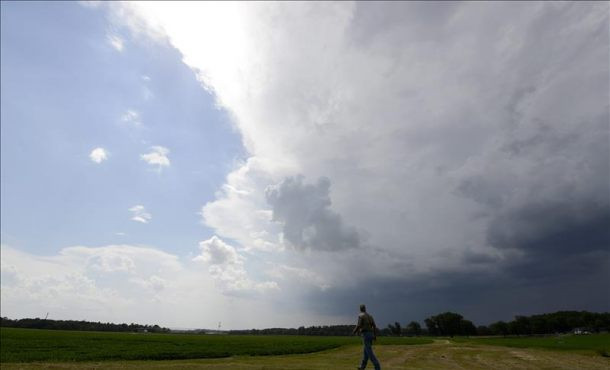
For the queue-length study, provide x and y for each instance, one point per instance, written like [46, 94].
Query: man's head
[362, 308]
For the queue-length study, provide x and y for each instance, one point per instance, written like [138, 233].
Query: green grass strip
[32, 345]
[598, 343]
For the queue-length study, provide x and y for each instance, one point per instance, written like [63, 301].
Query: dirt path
[442, 354]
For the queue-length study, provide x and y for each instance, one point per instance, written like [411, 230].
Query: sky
[275, 164]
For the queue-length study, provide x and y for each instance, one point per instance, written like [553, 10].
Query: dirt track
[440, 355]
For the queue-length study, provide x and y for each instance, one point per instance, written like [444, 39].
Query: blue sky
[64, 92]
[271, 164]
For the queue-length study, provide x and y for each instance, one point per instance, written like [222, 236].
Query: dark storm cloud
[562, 262]
[483, 297]
[308, 222]
[543, 181]
[553, 228]
[556, 243]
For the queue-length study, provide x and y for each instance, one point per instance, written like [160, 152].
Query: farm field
[599, 343]
[29, 345]
[344, 352]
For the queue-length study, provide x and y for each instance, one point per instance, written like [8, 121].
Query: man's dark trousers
[367, 340]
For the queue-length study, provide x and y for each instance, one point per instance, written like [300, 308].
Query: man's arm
[358, 327]
[374, 328]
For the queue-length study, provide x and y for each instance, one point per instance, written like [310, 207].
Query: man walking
[367, 328]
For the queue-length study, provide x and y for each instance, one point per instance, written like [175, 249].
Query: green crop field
[29, 345]
[598, 343]
[36, 349]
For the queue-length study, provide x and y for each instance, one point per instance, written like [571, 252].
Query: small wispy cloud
[140, 214]
[157, 156]
[116, 42]
[131, 117]
[98, 155]
[147, 94]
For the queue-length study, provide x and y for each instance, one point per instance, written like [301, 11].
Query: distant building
[581, 331]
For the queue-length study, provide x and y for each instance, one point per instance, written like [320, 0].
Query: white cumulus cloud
[226, 266]
[157, 157]
[126, 283]
[98, 155]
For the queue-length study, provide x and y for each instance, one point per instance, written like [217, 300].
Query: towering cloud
[467, 143]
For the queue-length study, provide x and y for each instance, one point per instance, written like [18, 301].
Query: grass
[32, 345]
[443, 354]
[35, 349]
[598, 343]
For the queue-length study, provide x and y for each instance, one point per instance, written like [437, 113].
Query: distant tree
[451, 324]
[393, 329]
[499, 328]
[413, 328]
[447, 323]
[397, 328]
[466, 328]
[483, 330]
[432, 326]
[600, 324]
[539, 325]
[520, 326]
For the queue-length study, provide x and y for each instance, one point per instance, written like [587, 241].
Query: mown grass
[598, 343]
[30, 345]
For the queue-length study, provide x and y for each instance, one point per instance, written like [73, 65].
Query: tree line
[82, 325]
[443, 324]
[550, 323]
[451, 324]
[326, 330]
